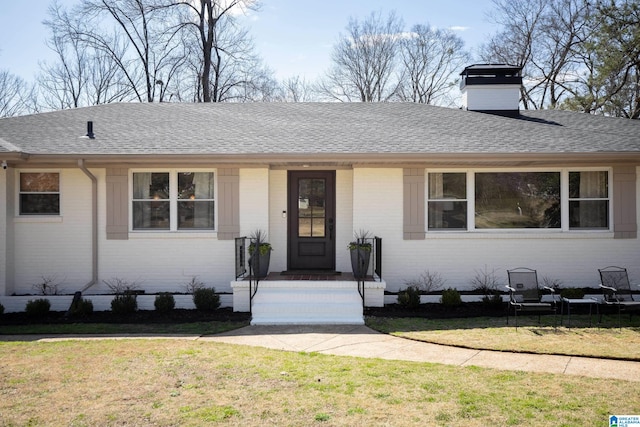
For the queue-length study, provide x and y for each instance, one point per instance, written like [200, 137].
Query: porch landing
[307, 298]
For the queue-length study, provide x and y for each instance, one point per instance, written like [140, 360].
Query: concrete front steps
[307, 303]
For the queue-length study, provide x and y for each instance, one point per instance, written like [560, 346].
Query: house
[156, 194]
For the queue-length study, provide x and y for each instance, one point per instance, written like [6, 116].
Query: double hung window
[173, 200]
[39, 193]
[447, 205]
[588, 200]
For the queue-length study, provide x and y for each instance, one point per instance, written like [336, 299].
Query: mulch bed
[438, 311]
[429, 311]
[140, 316]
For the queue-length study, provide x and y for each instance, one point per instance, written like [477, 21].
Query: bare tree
[515, 43]
[218, 45]
[14, 95]
[80, 75]
[364, 60]
[576, 54]
[565, 28]
[430, 61]
[297, 89]
[132, 34]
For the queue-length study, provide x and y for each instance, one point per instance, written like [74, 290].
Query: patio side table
[578, 301]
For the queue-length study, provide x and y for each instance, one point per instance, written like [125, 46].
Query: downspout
[94, 225]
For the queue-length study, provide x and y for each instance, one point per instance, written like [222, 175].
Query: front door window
[311, 207]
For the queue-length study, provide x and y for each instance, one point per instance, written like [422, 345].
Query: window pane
[151, 215]
[195, 185]
[151, 185]
[39, 182]
[517, 200]
[39, 204]
[448, 215]
[447, 186]
[311, 207]
[304, 227]
[588, 185]
[196, 215]
[589, 214]
[317, 227]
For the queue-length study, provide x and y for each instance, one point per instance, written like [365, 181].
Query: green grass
[187, 328]
[492, 333]
[196, 383]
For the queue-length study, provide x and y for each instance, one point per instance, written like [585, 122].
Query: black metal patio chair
[525, 295]
[614, 282]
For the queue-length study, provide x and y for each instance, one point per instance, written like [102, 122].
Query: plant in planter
[360, 250]
[259, 254]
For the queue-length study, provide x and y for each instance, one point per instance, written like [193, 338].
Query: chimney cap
[491, 70]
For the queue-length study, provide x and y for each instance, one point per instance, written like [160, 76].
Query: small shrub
[81, 308]
[551, 283]
[493, 301]
[486, 282]
[124, 304]
[48, 285]
[451, 298]
[193, 285]
[206, 299]
[1, 309]
[164, 302]
[37, 309]
[120, 286]
[410, 297]
[572, 293]
[427, 282]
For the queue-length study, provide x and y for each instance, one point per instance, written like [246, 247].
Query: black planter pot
[360, 262]
[260, 267]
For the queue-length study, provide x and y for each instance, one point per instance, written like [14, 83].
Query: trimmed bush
[1, 309]
[206, 299]
[124, 304]
[164, 302]
[81, 308]
[572, 293]
[493, 302]
[451, 298]
[38, 308]
[410, 297]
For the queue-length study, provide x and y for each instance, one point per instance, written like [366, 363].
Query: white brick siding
[56, 247]
[367, 198]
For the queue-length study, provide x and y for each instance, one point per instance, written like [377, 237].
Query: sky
[294, 37]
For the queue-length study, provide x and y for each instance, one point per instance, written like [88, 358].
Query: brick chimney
[491, 88]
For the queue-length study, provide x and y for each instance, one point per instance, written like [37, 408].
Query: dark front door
[312, 220]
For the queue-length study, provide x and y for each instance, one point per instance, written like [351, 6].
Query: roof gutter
[94, 225]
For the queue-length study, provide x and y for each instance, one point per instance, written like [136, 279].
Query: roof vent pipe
[90, 134]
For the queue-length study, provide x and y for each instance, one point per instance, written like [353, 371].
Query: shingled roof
[300, 129]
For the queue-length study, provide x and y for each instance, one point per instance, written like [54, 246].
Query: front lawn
[604, 340]
[196, 383]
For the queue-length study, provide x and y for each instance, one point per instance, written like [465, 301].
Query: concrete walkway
[361, 341]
